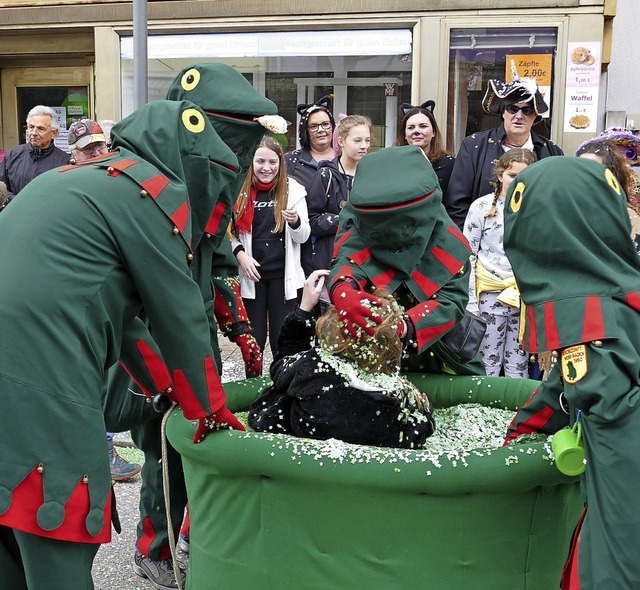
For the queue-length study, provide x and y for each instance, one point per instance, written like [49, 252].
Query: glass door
[67, 90]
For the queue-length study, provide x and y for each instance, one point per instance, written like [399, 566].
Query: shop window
[478, 55]
[366, 72]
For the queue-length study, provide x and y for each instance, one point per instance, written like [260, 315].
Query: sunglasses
[325, 125]
[512, 109]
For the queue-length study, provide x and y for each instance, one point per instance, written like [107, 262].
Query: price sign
[537, 66]
[582, 85]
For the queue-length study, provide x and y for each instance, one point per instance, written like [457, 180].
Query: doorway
[68, 90]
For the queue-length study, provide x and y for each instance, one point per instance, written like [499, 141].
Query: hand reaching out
[249, 266]
[312, 289]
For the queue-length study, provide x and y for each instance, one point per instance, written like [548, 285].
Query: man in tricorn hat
[520, 104]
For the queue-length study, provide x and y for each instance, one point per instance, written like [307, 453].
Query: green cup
[568, 450]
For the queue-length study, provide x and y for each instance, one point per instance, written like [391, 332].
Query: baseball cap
[83, 132]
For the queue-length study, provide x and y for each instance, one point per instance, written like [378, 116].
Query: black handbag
[465, 338]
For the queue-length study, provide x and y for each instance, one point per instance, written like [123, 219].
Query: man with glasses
[86, 140]
[520, 104]
[26, 161]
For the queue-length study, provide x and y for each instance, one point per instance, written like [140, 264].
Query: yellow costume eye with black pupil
[193, 120]
[516, 197]
[613, 181]
[190, 79]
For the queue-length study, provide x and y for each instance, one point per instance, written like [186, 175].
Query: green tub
[275, 512]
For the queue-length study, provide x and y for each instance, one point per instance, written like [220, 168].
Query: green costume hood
[230, 102]
[567, 236]
[233, 107]
[395, 203]
[185, 148]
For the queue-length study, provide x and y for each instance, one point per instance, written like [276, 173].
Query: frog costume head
[395, 204]
[177, 138]
[232, 104]
[567, 236]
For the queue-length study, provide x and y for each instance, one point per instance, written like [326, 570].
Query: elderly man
[26, 161]
[520, 105]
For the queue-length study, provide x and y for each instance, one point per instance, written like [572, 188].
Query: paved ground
[112, 569]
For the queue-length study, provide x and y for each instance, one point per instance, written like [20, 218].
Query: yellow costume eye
[516, 197]
[193, 120]
[190, 79]
[613, 181]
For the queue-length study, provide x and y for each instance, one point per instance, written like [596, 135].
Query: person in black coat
[520, 105]
[341, 388]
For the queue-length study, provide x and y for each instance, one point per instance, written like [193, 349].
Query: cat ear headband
[324, 102]
[405, 107]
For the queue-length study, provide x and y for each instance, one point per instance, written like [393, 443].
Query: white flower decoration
[273, 123]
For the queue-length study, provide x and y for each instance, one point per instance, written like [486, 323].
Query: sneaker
[122, 469]
[182, 553]
[159, 573]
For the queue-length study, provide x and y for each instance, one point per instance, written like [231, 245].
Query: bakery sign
[582, 85]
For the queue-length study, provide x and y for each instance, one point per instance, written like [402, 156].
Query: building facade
[78, 56]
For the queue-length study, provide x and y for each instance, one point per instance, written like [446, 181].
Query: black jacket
[23, 163]
[327, 194]
[311, 399]
[474, 166]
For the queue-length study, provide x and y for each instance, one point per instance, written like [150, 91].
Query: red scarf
[245, 221]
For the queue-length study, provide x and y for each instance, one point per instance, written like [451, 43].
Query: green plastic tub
[275, 512]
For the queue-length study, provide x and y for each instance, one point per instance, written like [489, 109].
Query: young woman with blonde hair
[343, 387]
[270, 224]
[330, 188]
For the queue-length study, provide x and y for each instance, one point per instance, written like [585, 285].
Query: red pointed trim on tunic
[382, 280]
[427, 286]
[633, 300]
[593, 328]
[456, 233]
[345, 272]
[341, 241]
[570, 579]
[155, 365]
[452, 264]
[550, 327]
[27, 498]
[530, 328]
[155, 185]
[533, 424]
[191, 406]
[426, 335]
[360, 257]
[119, 166]
[216, 218]
[181, 216]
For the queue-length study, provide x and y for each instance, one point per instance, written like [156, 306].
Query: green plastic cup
[568, 450]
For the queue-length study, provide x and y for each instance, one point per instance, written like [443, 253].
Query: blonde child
[493, 293]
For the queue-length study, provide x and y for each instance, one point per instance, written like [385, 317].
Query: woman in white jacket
[271, 222]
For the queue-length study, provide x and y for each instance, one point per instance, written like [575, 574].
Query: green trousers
[30, 562]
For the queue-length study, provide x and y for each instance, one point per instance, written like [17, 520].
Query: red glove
[220, 420]
[355, 309]
[251, 354]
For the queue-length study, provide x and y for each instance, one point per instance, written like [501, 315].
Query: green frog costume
[567, 238]
[237, 111]
[395, 235]
[84, 249]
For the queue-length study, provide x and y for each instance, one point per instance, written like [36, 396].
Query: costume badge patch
[574, 363]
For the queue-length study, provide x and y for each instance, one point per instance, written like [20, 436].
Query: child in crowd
[342, 387]
[493, 293]
[270, 224]
[330, 188]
